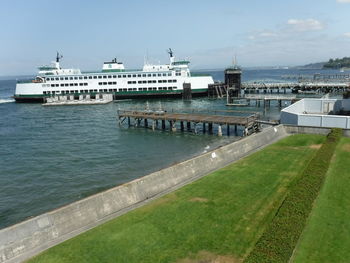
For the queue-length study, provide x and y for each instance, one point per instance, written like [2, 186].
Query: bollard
[219, 130]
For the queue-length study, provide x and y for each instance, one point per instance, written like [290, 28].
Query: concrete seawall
[23, 240]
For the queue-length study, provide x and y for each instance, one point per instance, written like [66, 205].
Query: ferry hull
[119, 96]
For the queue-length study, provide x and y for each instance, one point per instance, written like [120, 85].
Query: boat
[153, 80]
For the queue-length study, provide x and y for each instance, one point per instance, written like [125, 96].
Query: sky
[208, 33]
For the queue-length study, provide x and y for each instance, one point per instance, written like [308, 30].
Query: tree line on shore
[338, 63]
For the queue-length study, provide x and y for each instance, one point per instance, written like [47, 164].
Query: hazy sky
[209, 33]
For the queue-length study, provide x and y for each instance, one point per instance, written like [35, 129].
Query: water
[51, 156]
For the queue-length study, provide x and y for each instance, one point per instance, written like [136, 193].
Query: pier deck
[247, 122]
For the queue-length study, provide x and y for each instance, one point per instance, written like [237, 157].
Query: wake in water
[6, 100]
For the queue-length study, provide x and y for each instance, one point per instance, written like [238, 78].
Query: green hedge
[281, 235]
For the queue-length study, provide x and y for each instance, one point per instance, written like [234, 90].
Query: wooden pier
[266, 100]
[295, 87]
[159, 119]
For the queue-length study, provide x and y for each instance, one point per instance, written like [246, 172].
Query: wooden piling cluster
[160, 119]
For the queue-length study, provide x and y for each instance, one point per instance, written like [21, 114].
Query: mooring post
[163, 124]
[204, 127]
[219, 130]
[173, 127]
[182, 125]
[228, 130]
[129, 121]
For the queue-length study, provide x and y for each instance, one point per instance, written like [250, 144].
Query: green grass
[326, 238]
[223, 213]
[282, 234]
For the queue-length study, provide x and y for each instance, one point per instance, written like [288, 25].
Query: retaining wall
[32, 236]
[312, 130]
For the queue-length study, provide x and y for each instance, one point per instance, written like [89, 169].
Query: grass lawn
[219, 216]
[326, 238]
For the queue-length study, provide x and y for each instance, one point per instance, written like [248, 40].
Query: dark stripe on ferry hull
[119, 95]
[28, 99]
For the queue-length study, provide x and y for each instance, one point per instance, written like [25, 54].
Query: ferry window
[80, 77]
[75, 77]
[114, 89]
[144, 81]
[134, 76]
[109, 76]
[61, 78]
[114, 83]
[66, 78]
[159, 75]
[169, 74]
[104, 83]
[119, 76]
[100, 77]
[75, 84]
[154, 81]
[129, 76]
[164, 74]
[95, 77]
[44, 92]
[62, 85]
[105, 90]
[114, 76]
[150, 81]
[104, 77]
[143, 75]
[52, 85]
[149, 75]
[66, 85]
[109, 83]
[130, 89]
[57, 79]
[90, 77]
[140, 81]
[149, 88]
[139, 75]
[95, 90]
[85, 77]
[67, 91]
[85, 84]
[90, 90]
[110, 90]
[154, 75]
[100, 83]
[170, 88]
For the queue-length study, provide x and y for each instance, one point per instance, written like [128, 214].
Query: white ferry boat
[152, 80]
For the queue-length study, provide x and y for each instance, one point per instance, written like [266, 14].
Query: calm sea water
[51, 156]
